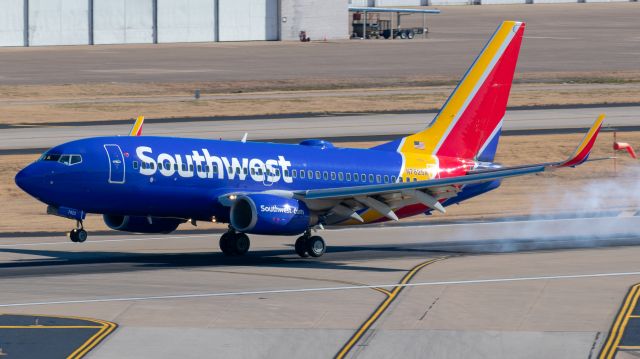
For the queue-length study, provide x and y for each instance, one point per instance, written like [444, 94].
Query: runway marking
[104, 329]
[391, 296]
[320, 289]
[612, 344]
[105, 240]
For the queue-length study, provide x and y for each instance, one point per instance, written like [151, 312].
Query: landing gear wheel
[241, 244]
[78, 235]
[301, 246]
[234, 244]
[225, 243]
[81, 235]
[316, 246]
[410, 34]
[403, 35]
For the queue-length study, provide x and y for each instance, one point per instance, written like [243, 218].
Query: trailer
[367, 23]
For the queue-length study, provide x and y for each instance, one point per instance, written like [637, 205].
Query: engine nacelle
[141, 224]
[269, 214]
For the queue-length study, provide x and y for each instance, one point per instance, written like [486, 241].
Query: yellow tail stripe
[432, 135]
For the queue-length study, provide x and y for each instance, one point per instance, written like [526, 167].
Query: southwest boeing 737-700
[152, 184]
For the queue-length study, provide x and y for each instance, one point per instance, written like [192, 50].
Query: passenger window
[400, 179]
[191, 168]
[215, 169]
[340, 176]
[378, 178]
[333, 176]
[175, 166]
[363, 177]
[294, 173]
[317, 174]
[356, 178]
[348, 177]
[415, 179]
[230, 170]
[371, 178]
[260, 171]
[65, 159]
[206, 169]
[325, 175]
[76, 159]
[302, 173]
[386, 179]
[277, 172]
[310, 174]
[253, 171]
[246, 171]
[199, 168]
[167, 165]
[184, 167]
[393, 179]
[135, 165]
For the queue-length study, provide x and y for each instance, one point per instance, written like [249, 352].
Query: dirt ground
[591, 187]
[39, 104]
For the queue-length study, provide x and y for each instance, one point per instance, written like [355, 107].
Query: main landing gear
[78, 234]
[233, 243]
[308, 245]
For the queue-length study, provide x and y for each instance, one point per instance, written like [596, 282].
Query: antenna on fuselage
[244, 138]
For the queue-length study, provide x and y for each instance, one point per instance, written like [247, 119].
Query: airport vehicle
[153, 184]
[375, 27]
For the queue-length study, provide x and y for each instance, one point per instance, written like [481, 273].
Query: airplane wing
[343, 202]
[384, 197]
[136, 129]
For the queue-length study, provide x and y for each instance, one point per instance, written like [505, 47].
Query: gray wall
[81, 22]
[122, 21]
[11, 22]
[320, 19]
[186, 20]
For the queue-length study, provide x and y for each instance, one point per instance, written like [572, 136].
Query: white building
[82, 22]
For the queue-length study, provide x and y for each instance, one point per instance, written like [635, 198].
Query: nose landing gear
[78, 234]
[308, 245]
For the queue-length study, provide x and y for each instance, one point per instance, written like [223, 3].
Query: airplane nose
[27, 179]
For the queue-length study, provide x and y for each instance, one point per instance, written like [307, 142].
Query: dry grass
[78, 102]
[523, 195]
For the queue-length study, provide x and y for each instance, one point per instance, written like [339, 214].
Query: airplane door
[116, 163]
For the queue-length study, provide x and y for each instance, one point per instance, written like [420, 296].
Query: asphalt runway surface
[559, 38]
[172, 292]
[355, 127]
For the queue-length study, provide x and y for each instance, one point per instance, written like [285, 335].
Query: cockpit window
[51, 157]
[65, 159]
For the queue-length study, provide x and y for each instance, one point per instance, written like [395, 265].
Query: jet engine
[270, 214]
[141, 224]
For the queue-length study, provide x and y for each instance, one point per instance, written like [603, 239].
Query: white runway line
[104, 240]
[321, 289]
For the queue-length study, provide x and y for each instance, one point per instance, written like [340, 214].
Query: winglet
[136, 130]
[584, 149]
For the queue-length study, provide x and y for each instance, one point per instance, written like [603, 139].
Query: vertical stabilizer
[469, 124]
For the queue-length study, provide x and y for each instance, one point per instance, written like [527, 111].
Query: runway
[362, 127]
[171, 292]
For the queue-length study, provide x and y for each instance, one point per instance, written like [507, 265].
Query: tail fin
[468, 125]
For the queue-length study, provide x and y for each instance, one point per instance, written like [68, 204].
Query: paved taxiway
[346, 127]
[169, 293]
[559, 37]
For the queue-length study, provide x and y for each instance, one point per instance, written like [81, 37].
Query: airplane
[149, 184]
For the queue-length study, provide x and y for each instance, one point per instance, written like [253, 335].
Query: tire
[81, 235]
[73, 235]
[301, 247]
[403, 35]
[225, 242]
[410, 34]
[241, 244]
[316, 246]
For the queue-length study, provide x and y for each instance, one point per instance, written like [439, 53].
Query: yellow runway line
[612, 343]
[391, 296]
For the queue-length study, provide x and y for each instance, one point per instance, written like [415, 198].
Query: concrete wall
[11, 22]
[247, 20]
[122, 21]
[320, 19]
[58, 22]
[401, 2]
[186, 20]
